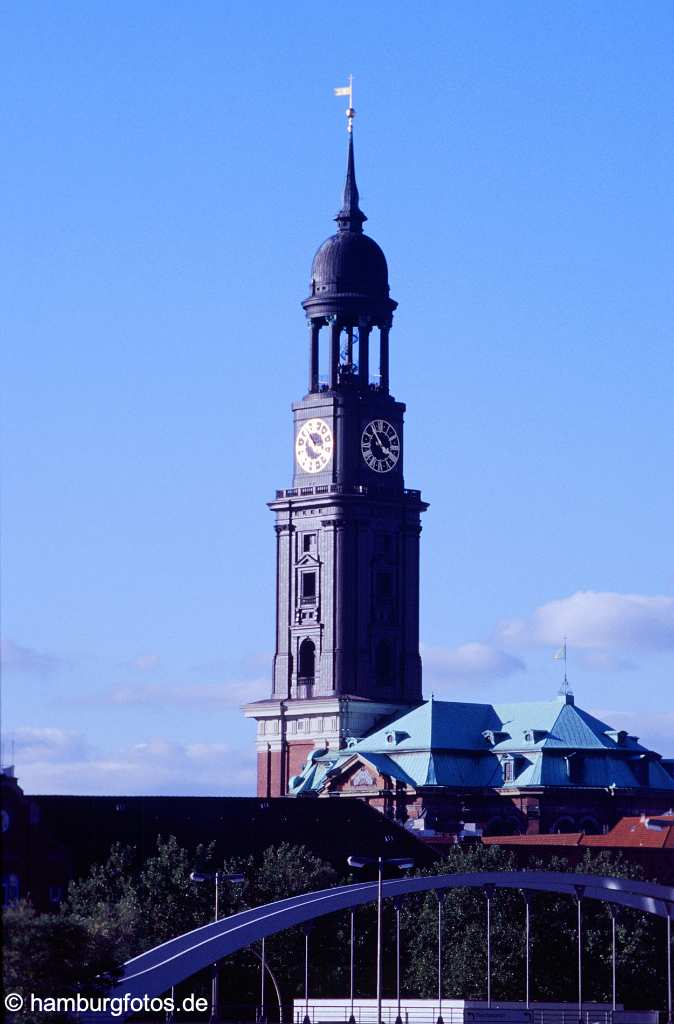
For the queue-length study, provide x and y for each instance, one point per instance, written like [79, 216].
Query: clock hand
[384, 449]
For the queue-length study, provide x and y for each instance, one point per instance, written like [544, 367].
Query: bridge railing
[427, 1011]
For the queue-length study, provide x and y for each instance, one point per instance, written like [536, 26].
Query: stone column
[364, 354]
[284, 609]
[315, 326]
[335, 331]
[383, 358]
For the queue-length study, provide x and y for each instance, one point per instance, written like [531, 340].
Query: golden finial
[347, 90]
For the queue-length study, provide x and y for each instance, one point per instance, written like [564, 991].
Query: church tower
[347, 530]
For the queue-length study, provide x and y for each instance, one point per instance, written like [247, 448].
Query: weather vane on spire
[560, 655]
[347, 90]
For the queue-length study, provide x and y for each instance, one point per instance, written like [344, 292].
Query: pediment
[308, 559]
[356, 773]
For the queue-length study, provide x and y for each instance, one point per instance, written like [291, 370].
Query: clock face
[380, 446]
[313, 446]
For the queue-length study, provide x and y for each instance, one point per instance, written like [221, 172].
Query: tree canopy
[124, 907]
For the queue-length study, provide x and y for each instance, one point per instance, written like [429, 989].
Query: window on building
[501, 827]
[640, 766]
[309, 584]
[508, 769]
[10, 889]
[307, 663]
[564, 826]
[574, 767]
[308, 542]
[383, 663]
[383, 544]
[384, 586]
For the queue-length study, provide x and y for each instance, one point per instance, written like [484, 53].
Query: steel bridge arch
[155, 971]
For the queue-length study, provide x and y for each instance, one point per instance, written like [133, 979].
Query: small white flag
[560, 655]
[343, 90]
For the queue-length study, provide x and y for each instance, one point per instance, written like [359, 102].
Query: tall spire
[350, 217]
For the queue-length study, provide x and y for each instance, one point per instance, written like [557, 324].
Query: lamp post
[580, 892]
[352, 964]
[489, 892]
[217, 877]
[397, 903]
[527, 945]
[438, 897]
[263, 1016]
[613, 911]
[670, 914]
[307, 932]
[399, 862]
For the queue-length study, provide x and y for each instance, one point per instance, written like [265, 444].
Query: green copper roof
[465, 745]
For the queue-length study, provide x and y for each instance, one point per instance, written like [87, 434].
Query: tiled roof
[655, 832]
[547, 839]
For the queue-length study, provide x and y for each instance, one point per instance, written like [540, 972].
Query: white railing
[457, 1011]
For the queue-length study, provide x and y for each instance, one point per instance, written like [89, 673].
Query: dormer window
[508, 764]
[618, 736]
[534, 735]
[494, 736]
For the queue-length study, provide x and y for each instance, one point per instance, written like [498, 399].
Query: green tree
[53, 955]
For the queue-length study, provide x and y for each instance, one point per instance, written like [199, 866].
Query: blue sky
[170, 170]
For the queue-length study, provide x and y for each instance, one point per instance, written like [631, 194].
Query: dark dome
[349, 276]
[349, 263]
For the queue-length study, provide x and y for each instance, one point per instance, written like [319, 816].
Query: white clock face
[314, 445]
[380, 446]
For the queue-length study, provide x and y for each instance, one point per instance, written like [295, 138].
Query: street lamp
[580, 892]
[403, 863]
[489, 890]
[397, 903]
[217, 877]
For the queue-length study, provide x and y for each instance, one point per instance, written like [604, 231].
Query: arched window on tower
[307, 665]
[383, 663]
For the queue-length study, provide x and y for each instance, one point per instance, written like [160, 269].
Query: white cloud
[56, 761]
[592, 619]
[198, 695]
[52, 745]
[27, 660]
[603, 661]
[471, 661]
[655, 729]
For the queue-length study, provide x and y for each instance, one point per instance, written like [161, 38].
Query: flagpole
[347, 90]
[561, 656]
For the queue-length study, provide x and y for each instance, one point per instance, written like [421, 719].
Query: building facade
[463, 769]
[347, 529]
[346, 716]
